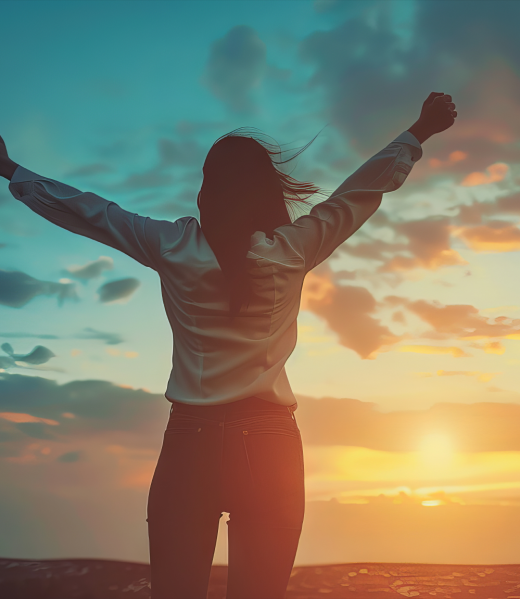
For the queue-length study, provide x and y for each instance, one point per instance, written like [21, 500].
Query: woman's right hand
[438, 113]
[7, 166]
[3, 151]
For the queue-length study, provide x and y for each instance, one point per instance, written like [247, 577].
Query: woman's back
[218, 359]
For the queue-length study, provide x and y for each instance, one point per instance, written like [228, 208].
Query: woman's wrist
[419, 131]
[7, 168]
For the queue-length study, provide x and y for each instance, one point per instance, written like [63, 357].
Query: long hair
[243, 191]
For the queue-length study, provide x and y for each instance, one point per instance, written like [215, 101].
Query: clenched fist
[7, 166]
[438, 113]
[3, 150]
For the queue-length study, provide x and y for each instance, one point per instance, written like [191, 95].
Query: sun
[436, 449]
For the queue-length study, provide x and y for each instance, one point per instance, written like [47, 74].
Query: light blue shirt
[215, 360]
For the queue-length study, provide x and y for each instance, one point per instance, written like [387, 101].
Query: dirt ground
[106, 579]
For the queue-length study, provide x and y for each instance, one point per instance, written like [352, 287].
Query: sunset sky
[407, 363]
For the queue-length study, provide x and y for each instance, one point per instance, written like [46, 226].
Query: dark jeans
[244, 458]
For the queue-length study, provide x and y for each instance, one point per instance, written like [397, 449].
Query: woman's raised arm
[87, 214]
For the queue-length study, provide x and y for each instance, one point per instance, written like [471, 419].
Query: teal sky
[419, 308]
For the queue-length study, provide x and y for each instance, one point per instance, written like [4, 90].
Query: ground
[106, 579]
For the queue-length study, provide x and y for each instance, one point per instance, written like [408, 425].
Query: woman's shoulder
[276, 251]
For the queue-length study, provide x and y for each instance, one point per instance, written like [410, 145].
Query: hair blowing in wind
[243, 191]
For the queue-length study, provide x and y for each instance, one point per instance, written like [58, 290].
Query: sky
[406, 366]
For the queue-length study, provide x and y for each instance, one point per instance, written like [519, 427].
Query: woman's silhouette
[231, 288]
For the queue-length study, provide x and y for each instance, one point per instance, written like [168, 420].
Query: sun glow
[436, 450]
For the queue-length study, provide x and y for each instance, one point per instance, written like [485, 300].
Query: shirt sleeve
[315, 236]
[90, 215]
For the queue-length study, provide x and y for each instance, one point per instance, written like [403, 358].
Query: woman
[231, 288]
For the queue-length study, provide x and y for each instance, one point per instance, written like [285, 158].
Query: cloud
[95, 405]
[491, 347]
[77, 416]
[91, 270]
[453, 157]
[148, 179]
[374, 75]
[182, 200]
[495, 236]
[116, 290]
[496, 172]
[90, 169]
[456, 352]
[70, 456]
[428, 246]
[428, 240]
[462, 321]
[236, 66]
[108, 338]
[6, 363]
[86, 333]
[127, 419]
[32, 335]
[476, 427]
[186, 152]
[39, 355]
[483, 377]
[472, 214]
[348, 311]
[20, 417]
[18, 288]
[36, 430]
[116, 352]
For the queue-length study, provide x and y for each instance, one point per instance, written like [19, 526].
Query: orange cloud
[456, 352]
[492, 347]
[20, 417]
[453, 157]
[483, 377]
[496, 172]
[458, 320]
[499, 236]
[429, 244]
[348, 312]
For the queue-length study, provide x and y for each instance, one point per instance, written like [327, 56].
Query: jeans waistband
[249, 404]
